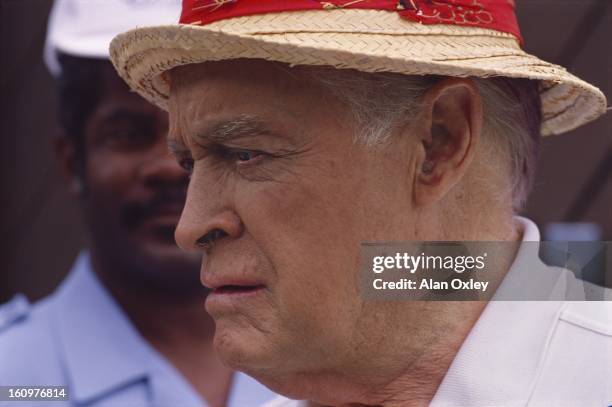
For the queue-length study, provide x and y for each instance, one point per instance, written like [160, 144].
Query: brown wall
[41, 231]
[578, 35]
[40, 234]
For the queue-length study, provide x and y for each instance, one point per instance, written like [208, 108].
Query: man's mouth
[157, 224]
[233, 289]
[162, 210]
[167, 208]
[168, 213]
[228, 295]
[226, 286]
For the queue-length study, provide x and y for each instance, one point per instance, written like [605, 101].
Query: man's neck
[418, 385]
[183, 334]
[414, 386]
[419, 382]
[182, 331]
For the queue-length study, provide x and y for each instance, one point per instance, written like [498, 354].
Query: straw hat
[477, 38]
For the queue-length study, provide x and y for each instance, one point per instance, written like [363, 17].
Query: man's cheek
[112, 168]
[281, 202]
[312, 295]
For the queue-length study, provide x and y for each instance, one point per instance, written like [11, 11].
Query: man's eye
[130, 138]
[246, 155]
[186, 164]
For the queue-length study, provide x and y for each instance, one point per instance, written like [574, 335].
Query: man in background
[128, 325]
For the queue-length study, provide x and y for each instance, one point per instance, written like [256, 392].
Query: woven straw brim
[365, 40]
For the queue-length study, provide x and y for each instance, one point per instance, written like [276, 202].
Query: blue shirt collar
[103, 351]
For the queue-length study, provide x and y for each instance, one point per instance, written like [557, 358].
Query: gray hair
[512, 114]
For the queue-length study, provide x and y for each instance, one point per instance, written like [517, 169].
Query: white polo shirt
[531, 353]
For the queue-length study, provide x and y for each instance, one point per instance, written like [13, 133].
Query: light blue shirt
[79, 337]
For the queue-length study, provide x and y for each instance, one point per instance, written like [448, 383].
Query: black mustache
[133, 213]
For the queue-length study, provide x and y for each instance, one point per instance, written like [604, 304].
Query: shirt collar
[499, 361]
[103, 351]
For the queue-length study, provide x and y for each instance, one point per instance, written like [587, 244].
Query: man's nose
[160, 168]
[206, 220]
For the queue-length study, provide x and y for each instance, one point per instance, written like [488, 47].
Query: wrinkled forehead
[268, 90]
[230, 84]
[246, 75]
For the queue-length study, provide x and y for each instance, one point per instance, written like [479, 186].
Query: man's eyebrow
[223, 131]
[235, 128]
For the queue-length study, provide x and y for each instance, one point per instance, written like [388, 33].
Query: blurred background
[41, 230]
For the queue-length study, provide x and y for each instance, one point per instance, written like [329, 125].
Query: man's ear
[67, 155]
[449, 127]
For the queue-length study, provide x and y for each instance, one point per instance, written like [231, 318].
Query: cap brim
[393, 45]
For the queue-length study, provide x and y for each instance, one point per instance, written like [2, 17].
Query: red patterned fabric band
[492, 14]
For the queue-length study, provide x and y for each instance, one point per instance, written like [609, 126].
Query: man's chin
[161, 266]
[261, 359]
[242, 348]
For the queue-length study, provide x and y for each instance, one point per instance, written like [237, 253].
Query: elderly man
[127, 327]
[311, 127]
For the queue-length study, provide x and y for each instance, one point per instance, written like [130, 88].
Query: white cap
[85, 28]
